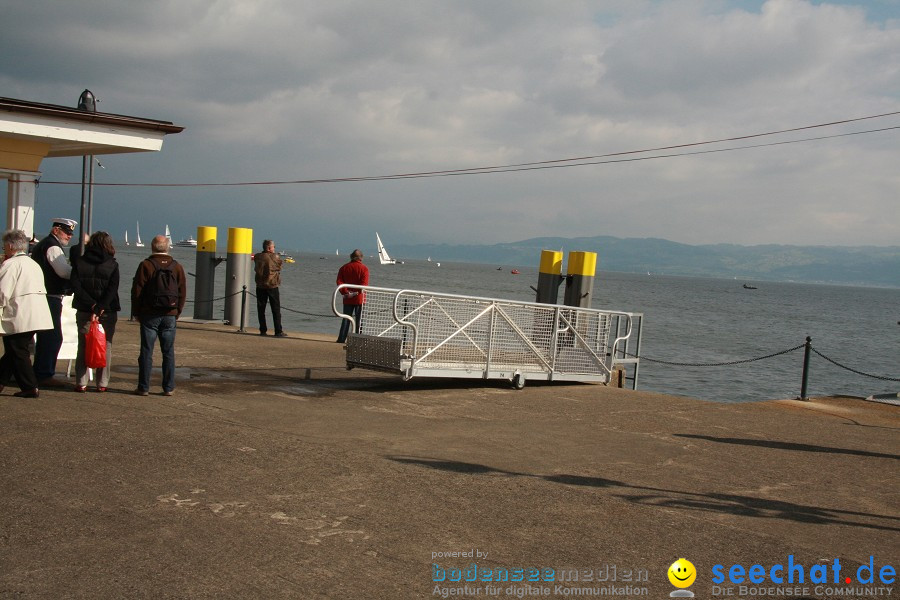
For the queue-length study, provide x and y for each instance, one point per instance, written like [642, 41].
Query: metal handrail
[459, 329]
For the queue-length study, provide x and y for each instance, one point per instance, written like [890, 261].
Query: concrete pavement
[273, 472]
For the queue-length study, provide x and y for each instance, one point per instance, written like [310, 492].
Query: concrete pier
[273, 472]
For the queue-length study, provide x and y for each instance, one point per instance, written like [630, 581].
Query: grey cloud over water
[286, 90]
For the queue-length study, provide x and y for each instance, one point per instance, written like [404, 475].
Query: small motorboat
[515, 271]
[749, 287]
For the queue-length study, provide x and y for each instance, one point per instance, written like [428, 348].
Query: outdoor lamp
[87, 102]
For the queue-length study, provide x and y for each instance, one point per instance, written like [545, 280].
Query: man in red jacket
[353, 273]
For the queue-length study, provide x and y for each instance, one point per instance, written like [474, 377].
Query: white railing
[418, 333]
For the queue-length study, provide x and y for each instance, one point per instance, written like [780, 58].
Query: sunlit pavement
[274, 472]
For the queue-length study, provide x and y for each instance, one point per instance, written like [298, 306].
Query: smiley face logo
[682, 573]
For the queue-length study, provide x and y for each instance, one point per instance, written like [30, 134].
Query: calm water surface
[686, 320]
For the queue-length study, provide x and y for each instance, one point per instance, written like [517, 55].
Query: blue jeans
[355, 311]
[162, 327]
[49, 341]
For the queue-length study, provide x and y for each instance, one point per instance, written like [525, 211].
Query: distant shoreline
[687, 275]
[863, 266]
[609, 262]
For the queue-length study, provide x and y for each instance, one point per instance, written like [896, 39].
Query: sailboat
[126, 238]
[383, 256]
[168, 235]
[138, 243]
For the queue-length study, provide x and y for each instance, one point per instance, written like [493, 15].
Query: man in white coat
[23, 311]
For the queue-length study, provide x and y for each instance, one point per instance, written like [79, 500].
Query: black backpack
[161, 291]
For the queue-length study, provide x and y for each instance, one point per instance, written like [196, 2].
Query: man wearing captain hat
[48, 253]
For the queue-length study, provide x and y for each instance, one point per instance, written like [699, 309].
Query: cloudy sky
[296, 90]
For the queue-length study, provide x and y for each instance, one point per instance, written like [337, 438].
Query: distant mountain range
[857, 265]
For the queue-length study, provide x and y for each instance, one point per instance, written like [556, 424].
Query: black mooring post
[243, 308]
[803, 385]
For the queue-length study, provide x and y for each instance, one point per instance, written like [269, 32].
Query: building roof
[73, 132]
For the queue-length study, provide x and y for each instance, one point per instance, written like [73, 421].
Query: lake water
[686, 320]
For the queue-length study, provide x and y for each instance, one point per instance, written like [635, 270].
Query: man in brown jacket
[158, 295]
[268, 278]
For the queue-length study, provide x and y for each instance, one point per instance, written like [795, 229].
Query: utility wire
[539, 165]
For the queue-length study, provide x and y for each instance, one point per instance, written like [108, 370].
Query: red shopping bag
[95, 345]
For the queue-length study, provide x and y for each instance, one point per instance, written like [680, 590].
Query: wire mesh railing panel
[447, 333]
[582, 341]
[522, 337]
[378, 315]
[450, 331]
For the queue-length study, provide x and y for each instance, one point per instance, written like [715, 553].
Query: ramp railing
[419, 333]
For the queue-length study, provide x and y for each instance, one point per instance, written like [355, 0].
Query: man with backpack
[158, 295]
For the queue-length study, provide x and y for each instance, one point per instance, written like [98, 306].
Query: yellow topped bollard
[240, 240]
[206, 273]
[206, 239]
[549, 277]
[238, 270]
[580, 279]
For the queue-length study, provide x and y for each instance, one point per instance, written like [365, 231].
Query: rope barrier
[298, 312]
[837, 364]
[749, 360]
[717, 364]
[213, 299]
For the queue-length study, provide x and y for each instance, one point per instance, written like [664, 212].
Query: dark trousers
[49, 341]
[355, 311]
[162, 327]
[16, 361]
[272, 296]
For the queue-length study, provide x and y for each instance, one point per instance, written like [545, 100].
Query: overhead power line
[609, 158]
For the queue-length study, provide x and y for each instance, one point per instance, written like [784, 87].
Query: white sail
[168, 235]
[126, 238]
[139, 243]
[383, 257]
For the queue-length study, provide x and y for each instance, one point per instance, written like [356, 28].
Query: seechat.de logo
[792, 572]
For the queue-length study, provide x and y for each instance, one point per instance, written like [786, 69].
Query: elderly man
[48, 253]
[158, 295]
[24, 311]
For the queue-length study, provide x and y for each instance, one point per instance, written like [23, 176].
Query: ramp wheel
[518, 381]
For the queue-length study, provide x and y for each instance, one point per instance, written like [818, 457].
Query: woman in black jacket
[95, 279]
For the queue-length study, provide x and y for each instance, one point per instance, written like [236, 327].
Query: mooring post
[238, 273]
[204, 285]
[580, 279]
[803, 384]
[549, 277]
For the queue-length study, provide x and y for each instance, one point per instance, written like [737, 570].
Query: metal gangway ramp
[415, 333]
